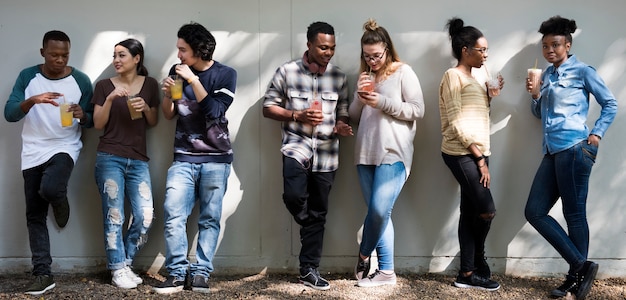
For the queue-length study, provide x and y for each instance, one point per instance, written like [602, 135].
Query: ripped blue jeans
[119, 178]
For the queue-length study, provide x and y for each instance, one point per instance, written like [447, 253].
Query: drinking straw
[535, 64]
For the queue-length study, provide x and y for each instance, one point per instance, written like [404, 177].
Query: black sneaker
[200, 284]
[569, 285]
[311, 278]
[61, 212]
[170, 285]
[482, 267]
[476, 282]
[42, 284]
[362, 268]
[584, 279]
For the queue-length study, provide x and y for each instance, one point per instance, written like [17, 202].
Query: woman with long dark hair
[121, 169]
[464, 109]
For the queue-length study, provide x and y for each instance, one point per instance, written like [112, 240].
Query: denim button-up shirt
[564, 104]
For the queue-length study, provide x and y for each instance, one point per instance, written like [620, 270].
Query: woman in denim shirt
[569, 149]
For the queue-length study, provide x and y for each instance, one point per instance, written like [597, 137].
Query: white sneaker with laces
[122, 279]
[133, 275]
[378, 278]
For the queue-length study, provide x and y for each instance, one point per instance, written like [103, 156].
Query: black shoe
[482, 267]
[476, 282]
[42, 284]
[362, 268]
[61, 212]
[569, 285]
[311, 277]
[170, 285]
[200, 284]
[584, 279]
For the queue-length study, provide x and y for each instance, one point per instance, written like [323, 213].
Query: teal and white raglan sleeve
[86, 89]
[12, 110]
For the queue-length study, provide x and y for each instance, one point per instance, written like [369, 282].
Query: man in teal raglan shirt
[49, 150]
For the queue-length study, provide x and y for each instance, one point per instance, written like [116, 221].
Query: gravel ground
[285, 286]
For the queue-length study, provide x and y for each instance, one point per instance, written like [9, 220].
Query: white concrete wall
[255, 37]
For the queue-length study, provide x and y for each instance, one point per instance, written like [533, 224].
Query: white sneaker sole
[468, 286]
[319, 288]
[169, 290]
[42, 291]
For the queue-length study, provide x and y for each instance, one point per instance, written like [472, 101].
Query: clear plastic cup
[493, 87]
[535, 77]
[67, 116]
[370, 84]
[176, 89]
[134, 114]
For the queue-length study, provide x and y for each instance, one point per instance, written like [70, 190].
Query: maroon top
[122, 136]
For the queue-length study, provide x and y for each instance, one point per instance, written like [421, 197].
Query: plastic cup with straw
[534, 75]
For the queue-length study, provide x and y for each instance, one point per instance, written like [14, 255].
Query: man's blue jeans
[119, 177]
[44, 185]
[186, 183]
[565, 175]
[380, 186]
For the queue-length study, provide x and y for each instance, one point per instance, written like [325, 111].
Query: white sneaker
[378, 278]
[122, 279]
[133, 275]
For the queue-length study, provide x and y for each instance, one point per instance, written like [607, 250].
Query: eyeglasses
[482, 50]
[374, 58]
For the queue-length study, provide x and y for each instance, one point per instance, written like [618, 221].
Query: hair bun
[558, 25]
[455, 25]
[571, 26]
[370, 25]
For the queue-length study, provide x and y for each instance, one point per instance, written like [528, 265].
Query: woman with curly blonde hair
[386, 115]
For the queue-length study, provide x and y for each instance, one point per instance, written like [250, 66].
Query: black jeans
[306, 196]
[475, 200]
[44, 185]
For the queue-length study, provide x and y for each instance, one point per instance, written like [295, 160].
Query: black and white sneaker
[170, 285]
[200, 284]
[569, 285]
[362, 268]
[311, 277]
[476, 282]
[584, 279]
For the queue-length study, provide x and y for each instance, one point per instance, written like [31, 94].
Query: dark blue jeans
[476, 200]
[563, 175]
[305, 195]
[44, 185]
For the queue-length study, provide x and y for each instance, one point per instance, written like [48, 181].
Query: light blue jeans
[118, 177]
[186, 183]
[380, 186]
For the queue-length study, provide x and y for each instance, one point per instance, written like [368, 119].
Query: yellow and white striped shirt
[464, 111]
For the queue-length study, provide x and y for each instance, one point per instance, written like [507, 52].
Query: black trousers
[44, 185]
[475, 200]
[305, 194]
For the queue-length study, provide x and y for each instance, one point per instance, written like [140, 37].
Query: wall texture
[255, 37]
